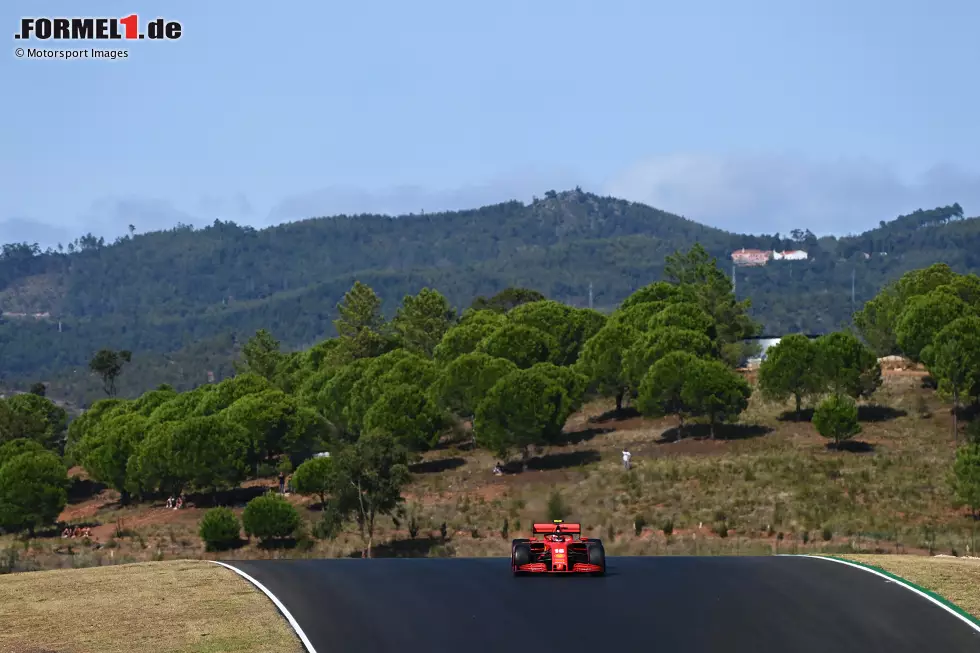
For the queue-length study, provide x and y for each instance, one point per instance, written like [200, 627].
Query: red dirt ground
[149, 515]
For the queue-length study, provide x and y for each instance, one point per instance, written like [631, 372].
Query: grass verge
[955, 579]
[171, 607]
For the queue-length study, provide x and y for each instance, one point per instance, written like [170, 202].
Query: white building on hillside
[762, 345]
[750, 257]
[791, 255]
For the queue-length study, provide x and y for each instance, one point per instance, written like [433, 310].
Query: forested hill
[178, 297]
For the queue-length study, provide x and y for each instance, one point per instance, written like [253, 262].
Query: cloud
[22, 230]
[778, 193]
[225, 207]
[400, 200]
[742, 193]
[111, 216]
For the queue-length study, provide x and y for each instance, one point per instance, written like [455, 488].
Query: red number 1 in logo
[130, 23]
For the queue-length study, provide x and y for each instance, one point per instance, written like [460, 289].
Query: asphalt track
[694, 605]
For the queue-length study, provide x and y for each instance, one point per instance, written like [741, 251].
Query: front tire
[597, 556]
[521, 555]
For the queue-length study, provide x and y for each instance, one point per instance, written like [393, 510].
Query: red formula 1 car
[558, 552]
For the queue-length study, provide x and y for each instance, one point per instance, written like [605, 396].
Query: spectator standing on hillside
[626, 458]
[282, 483]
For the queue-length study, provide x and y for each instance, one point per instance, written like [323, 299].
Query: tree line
[161, 295]
[929, 316]
[507, 372]
[932, 316]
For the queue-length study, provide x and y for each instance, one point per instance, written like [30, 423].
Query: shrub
[329, 525]
[33, 491]
[966, 478]
[314, 477]
[668, 527]
[639, 522]
[827, 534]
[441, 551]
[556, 506]
[837, 418]
[220, 529]
[8, 560]
[973, 432]
[270, 516]
[922, 407]
[305, 543]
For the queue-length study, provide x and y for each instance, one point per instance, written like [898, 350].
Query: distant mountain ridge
[160, 293]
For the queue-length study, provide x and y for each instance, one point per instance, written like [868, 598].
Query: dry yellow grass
[954, 579]
[182, 606]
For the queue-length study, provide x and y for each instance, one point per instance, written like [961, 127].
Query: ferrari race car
[558, 552]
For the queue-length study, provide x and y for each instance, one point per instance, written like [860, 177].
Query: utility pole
[590, 294]
[852, 288]
[733, 279]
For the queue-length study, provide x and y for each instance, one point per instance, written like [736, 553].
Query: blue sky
[757, 116]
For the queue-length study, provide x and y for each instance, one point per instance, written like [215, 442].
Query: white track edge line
[932, 600]
[282, 608]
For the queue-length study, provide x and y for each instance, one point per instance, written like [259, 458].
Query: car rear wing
[539, 529]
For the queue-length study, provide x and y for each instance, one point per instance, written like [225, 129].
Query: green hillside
[181, 299]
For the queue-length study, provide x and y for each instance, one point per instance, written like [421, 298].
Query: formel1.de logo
[98, 29]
